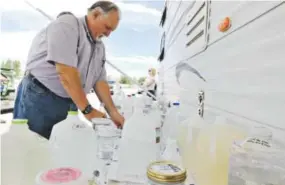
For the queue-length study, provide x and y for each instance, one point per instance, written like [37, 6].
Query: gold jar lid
[166, 171]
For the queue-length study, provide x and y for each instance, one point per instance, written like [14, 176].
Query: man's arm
[62, 37]
[70, 79]
[103, 92]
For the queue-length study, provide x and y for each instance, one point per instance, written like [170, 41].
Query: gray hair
[105, 6]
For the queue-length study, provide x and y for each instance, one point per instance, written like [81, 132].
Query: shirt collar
[87, 31]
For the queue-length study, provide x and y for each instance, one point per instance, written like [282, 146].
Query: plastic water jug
[62, 176]
[214, 146]
[118, 98]
[257, 160]
[140, 137]
[73, 143]
[128, 107]
[171, 152]
[24, 154]
[171, 123]
[123, 103]
[188, 132]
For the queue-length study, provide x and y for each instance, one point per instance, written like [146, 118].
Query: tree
[141, 80]
[124, 80]
[135, 81]
[12, 64]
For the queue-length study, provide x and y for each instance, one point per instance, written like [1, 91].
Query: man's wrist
[87, 110]
[112, 110]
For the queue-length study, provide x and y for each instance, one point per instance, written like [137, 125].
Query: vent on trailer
[196, 27]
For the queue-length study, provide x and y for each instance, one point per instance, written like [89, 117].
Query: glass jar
[165, 172]
[106, 137]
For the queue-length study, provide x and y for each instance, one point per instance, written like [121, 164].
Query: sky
[140, 21]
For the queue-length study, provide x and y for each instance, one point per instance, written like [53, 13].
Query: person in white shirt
[150, 83]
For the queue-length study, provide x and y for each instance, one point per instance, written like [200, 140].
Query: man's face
[102, 24]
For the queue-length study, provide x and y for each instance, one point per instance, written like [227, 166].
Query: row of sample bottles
[224, 153]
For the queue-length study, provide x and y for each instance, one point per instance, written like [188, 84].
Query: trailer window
[162, 48]
[163, 17]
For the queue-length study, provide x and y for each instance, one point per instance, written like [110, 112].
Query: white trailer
[237, 71]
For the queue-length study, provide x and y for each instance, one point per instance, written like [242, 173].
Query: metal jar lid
[165, 172]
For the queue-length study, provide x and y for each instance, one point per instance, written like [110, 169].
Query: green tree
[141, 80]
[124, 80]
[12, 64]
[134, 80]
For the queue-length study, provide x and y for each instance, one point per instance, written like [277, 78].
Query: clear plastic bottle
[139, 136]
[119, 98]
[171, 123]
[256, 160]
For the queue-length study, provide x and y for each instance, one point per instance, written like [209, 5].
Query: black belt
[35, 80]
[31, 77]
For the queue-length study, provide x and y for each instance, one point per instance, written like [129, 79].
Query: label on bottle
[105, 154]
[145, 111]
[61, 175]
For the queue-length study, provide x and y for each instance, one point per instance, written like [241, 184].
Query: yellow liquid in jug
[213, 151]
[187, 142]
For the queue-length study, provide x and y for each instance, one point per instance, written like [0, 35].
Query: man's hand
[117, 118]
[104, 95]
[95, 114]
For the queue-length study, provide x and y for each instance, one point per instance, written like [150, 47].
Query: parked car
[111, 83]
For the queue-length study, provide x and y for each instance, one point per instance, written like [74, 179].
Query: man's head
[103, 18]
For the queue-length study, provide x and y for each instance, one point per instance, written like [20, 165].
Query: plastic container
[107, 136]
[171, 123]
[256, 160]
[140, 137]
[128, 107]
[213, 146]
[24, 154]
[189, 131]
[73, 143]
[118, 98]
[165, 172]
[61, 176]
[172, 152]
[63, 130]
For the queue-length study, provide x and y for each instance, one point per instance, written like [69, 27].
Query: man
[66, 60]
